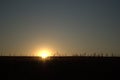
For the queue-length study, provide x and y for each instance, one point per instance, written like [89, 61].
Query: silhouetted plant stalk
[22, 52]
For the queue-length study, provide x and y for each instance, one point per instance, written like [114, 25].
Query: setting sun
[44, 54]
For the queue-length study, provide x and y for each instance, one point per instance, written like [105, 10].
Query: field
[59, 68]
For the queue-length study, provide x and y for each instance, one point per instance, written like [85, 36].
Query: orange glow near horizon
[44, 54]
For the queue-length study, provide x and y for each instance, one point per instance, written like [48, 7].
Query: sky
[65, 26]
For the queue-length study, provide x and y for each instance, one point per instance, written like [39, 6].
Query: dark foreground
[59, 68]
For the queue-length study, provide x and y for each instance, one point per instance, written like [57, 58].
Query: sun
[44, 54]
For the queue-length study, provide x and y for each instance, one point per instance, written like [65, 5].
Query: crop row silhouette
[4, 52]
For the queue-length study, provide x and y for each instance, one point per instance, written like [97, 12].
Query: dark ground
[62, 68]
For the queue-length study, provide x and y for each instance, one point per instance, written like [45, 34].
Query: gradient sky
[66, 26]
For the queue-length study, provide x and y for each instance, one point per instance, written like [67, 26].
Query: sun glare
[44, 54]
